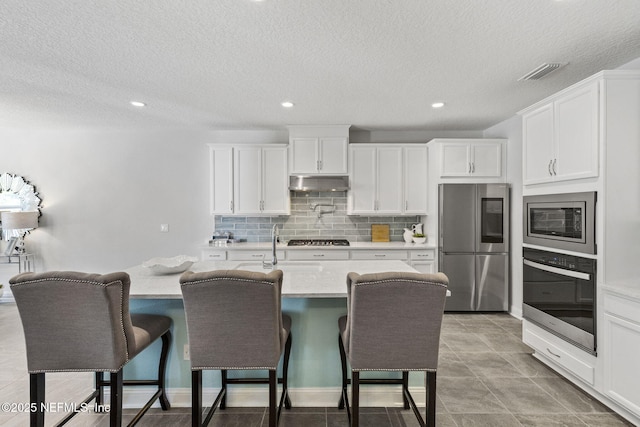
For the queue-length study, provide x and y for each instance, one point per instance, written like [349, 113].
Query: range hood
[318, 183]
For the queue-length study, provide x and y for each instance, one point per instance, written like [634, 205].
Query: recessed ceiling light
[138, 104]
[287, 104]
[437, 105]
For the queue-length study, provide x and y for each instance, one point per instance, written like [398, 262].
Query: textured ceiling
[227, 64]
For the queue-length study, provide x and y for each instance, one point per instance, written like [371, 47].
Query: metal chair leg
[162, 367]
[285, 372]
[405, 389]
[115, 409]
[36, 391]
[355, 399]
[224, 382]
[431, 398]
[196, 398]
[273, 387]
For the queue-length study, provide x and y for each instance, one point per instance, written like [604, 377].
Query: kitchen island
[314, 295]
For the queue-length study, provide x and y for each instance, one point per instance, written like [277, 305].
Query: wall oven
[561, 221]
[559, 294]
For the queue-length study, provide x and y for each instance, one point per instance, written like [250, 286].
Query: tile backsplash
[314, 215]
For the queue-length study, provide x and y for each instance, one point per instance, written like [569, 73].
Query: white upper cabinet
[387, 179]
[415, 179]
[470, 158]
[249, 180]
[318, 150]
[221, 180]
[560, 137]
[318, 156]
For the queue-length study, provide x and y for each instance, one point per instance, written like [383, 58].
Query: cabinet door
[576, 134]
[275, 191]
[486, 159]
[427, 267]
[303, 153]
[389, 194]
[333, 156]
[362, 195]
[622, 376]
[415, 180]
[248, 180]
[538, 152]
[455, 159]
[221, 180]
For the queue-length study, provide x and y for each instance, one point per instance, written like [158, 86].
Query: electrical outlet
[187, 355]
[164, 228]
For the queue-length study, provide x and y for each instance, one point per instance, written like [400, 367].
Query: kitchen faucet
[274, 239]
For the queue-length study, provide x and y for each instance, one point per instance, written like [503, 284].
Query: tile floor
[486, 377]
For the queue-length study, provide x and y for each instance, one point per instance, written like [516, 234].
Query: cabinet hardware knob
[549, 167]
[554, 166]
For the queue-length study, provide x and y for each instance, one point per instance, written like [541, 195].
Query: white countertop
[301, 279]
[353, 245]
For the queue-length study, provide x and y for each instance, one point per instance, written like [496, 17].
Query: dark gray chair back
[394, 320]
[234, 319]
[75, 321]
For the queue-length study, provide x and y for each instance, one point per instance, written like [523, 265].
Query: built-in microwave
[561, 221]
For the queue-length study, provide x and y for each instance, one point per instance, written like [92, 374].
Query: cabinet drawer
[401, 255]
[420, 255]
[214, 255]
[317, 255]
[546, 349]
[622, 307]
[252, 255]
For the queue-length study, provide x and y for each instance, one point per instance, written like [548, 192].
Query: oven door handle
[555, 270]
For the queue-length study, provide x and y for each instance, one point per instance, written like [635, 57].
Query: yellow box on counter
[379, 232]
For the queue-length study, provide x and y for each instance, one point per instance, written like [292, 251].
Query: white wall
[512, 130]
[105, 194]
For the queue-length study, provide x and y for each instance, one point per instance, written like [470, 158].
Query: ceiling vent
[541, 71]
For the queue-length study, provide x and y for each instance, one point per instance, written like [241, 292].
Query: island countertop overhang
[313, 279]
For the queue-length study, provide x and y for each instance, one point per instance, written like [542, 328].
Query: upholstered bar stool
[79, 322]
[393, 323]
[235, 322]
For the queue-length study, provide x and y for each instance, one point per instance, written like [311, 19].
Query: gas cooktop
[318, 242]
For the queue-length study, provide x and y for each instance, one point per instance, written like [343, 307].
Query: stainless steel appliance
[561, 221]
[318, 242]
[474, 245]
[559, 295]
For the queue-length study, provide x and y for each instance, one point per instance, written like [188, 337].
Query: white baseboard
[370, 396]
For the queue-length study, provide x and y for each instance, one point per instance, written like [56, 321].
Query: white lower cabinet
[379, 255]
[423, 261]
[621, 349]
[317, 255]
[560, 353]
[253, 255]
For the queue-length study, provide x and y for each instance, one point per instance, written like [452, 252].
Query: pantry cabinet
[560, 137]
[388, 179]
[249, 180]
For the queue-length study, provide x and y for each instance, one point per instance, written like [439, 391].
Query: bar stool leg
[405, 389]
[224, 383]
[166, 344]
[431, 398]
[285, 373]
[273, 411]
[115, 410]
[355, 399]
[36, 391]
[196, 398]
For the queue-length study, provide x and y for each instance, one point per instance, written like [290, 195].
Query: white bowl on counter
[419, 240]
[176, 264]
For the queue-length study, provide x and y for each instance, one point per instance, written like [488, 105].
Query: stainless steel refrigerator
[474, 245]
